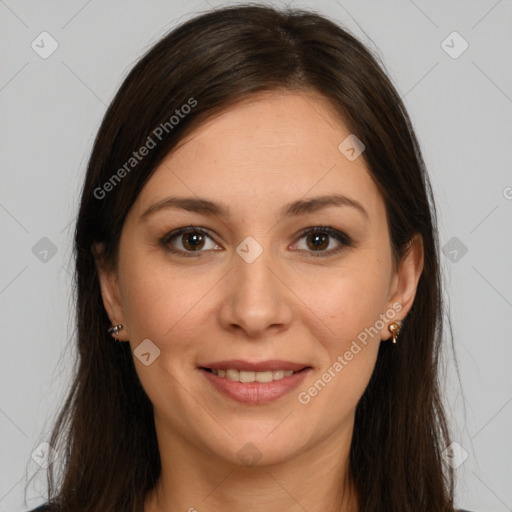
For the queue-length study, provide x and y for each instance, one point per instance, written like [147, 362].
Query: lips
[255, 382]
[252, 366]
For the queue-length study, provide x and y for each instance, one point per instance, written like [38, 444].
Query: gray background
[51, 109]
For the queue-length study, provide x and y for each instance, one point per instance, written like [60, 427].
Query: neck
[315, 480]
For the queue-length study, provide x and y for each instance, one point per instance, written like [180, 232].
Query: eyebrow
[296, 208]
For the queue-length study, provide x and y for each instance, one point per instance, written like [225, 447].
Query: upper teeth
[242, 376]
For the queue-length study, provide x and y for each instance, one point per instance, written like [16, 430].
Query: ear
[405, 283]
[110, 291]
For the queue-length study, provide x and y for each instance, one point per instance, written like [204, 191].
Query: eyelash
[345, 240]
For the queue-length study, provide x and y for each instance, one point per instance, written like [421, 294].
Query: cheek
[352, 300]
[162, 305]
[349, 303]
[351, 309]
[159, 300]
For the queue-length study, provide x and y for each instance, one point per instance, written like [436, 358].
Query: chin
[259, 449]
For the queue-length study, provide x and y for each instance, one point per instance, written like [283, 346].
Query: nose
[257, 300]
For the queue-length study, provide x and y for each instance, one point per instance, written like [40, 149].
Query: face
[265, 272]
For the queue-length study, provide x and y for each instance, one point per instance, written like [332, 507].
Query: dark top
[44, 508]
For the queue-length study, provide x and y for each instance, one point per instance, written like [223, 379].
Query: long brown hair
[105, 431]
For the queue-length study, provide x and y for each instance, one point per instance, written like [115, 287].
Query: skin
[256, 157]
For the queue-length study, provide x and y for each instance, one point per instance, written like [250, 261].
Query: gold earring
[394, 329]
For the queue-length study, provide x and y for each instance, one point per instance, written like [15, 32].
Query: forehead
[273, 148]
[283, 123]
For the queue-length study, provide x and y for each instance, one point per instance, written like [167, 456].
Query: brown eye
[189, 240]
[317, 241]
[192, 241]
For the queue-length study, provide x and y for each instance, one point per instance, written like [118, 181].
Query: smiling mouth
[250, 376]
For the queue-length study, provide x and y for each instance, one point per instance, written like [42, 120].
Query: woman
[257, 234]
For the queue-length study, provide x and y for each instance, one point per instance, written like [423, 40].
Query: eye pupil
[320, 241]
[193, 240]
